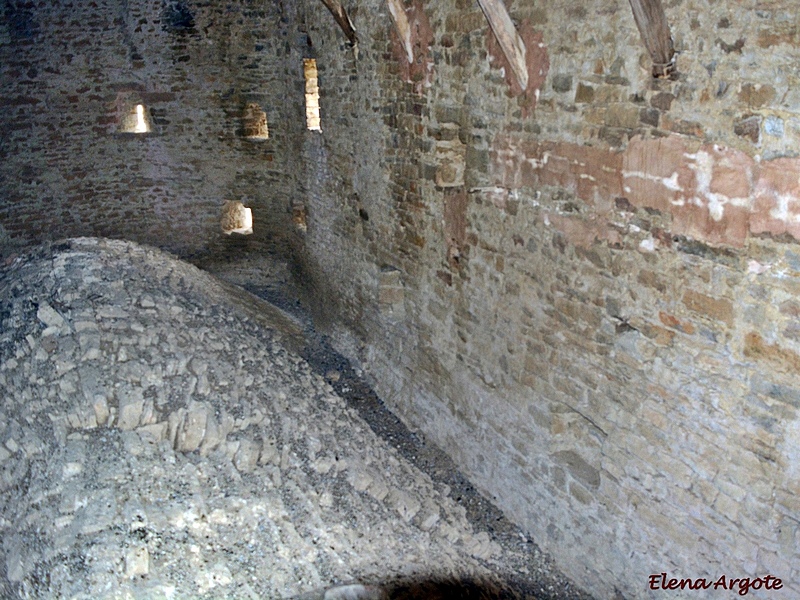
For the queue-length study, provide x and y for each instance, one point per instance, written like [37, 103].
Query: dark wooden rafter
[654, 29]
[340, 14]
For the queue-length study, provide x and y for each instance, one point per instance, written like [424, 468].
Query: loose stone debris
[161, 437]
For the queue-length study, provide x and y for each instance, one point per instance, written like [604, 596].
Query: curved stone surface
[158, 440]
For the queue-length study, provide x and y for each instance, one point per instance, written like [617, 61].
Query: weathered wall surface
[586, 292]
[71, 73]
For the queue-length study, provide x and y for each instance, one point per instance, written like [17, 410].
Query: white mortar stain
[781, 211]
[671, 182]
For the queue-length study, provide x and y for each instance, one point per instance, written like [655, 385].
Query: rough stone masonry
[585, 291]
[160, 437]
[594, 281]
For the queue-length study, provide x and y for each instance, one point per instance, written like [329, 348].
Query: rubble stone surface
[159, 438]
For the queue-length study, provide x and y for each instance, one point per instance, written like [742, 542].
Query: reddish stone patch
[588, 172]
[776, 206]
[655, 173]
[455, 224]
[672, 321]
[778, 34]
[695, 222]
[706, 188]
[659, 335]
[537, 60]
[420, 71]
[715, 194]
[717, 210]
[782, 359]
[510, 158]
[683, 127]
[719, 309]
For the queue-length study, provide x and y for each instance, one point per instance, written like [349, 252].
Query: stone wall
[584, 291]
[71, 75]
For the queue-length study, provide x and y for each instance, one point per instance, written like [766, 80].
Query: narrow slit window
[141, 122]
[255, 122]
[312, 94]
[135, 119]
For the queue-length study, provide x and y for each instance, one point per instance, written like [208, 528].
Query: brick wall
[586, 291]
[72, 72]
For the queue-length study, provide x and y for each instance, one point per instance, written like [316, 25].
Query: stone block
[622, 115]
[562, 82]
[659, 335]
[451, 163]
[675, 323]
[662, 101]
[476, 160]
[748, 127]
[580, 493]
[246, 457]
[578, 468]
[137, 561]
[720, 309]
[683, 126]
[757, 95]
[48, 315]
[406, 505]
[192, 427]
[782, 359]
[649, 116]
[584, 93]
[131, 404]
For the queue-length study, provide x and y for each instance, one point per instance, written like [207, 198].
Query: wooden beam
[339, 13]
[403, 28]
[508, 38]
[654, 29]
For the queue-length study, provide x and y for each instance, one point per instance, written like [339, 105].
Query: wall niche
[132, 114]
[254, 122]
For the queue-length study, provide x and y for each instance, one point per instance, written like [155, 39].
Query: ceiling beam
[398, 12]
[510, 41]
[654, 29]
[339, 13]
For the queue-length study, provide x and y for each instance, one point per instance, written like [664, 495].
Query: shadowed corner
[430, 588]
[447, 589]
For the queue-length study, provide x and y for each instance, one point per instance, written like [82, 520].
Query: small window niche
[131, 110]
[312, 94]
[300, 217]
[135, 119]
[236, 218]
[254, 122]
